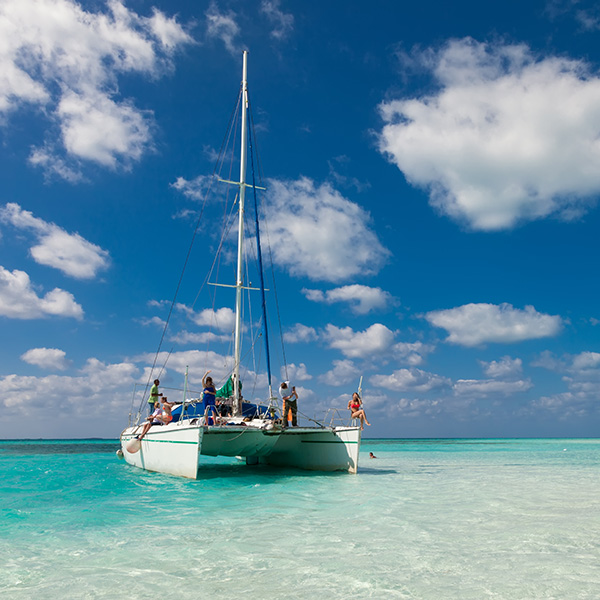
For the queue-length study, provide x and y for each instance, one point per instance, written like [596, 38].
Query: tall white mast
[239, 281]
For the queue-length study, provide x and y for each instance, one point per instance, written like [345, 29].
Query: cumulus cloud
[46, 358]
[152, 321]
[585, 364]
[317, 233]
[416, 407]
[343, 371]
[222, 319]
[67, 252]
[565, 405]
[97, 385]
[412, 352]
[18, 299]
[581, 373]
[200, 361]
[410, 380]
[508, 137]
[296, 372]
[586, 361]
[361, 298]
[359, 344]
[504, 368]
[475, 324]
[485, 387]
[204, 337]
[60, 57]
[96, 128]
[300, 333]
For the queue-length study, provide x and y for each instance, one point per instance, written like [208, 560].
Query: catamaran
[253, 431]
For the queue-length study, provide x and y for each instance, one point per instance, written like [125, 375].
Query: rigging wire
[260, 264]
[188, 254]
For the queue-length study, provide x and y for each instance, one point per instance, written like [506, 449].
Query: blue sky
[432, 177]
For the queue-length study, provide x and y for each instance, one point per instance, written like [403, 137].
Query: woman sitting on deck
[158, 417]
[355, 407]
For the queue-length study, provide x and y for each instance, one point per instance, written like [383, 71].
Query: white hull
[316, 449]
[177, 448]
[170, 449]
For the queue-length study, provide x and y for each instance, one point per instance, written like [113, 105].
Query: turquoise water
[428, 519]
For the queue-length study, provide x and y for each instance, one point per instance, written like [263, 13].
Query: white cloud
[584, 365]
[410, 380]
[54, 165]
[317, 233]
[581, 373]
[96, 128]
[167, 31]
[223, 26]
[67, 60]
[196, 189]
[586, 360]
[509, 137]
[359, 344]
[410, 408]
[283, 23]
[18, 300]
[300, 333]
[159, 303]
[154, 321]
[479, 387]
[361, 298]
[296, 372]
[46, 358]
[100, 387]
[68, 252]
[412, 352]
[222, 318]
[566, 404]
[475, 324]
[198, 361]
[504, 368]
[204, 337]
[343, 371]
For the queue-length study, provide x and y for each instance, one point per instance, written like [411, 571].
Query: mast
[237, 405]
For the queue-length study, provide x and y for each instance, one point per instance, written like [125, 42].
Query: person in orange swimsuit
[355, 408]
[158, 417]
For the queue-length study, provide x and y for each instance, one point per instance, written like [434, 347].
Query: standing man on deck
[290, 402]
[153, 396]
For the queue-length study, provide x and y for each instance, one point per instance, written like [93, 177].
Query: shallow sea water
[427, 519]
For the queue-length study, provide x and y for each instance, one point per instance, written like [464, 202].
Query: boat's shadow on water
[241, 471]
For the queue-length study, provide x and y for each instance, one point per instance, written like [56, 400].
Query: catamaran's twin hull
[177, 448]
[316, 449]
[169, 449]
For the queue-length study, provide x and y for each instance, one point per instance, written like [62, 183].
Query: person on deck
[357, 411]
[158, 417]
[290, 402]
[153, 398]
[208, 396]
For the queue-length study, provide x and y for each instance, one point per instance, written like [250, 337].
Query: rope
[188, 254]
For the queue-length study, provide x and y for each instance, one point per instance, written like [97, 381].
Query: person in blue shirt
[208, 396]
